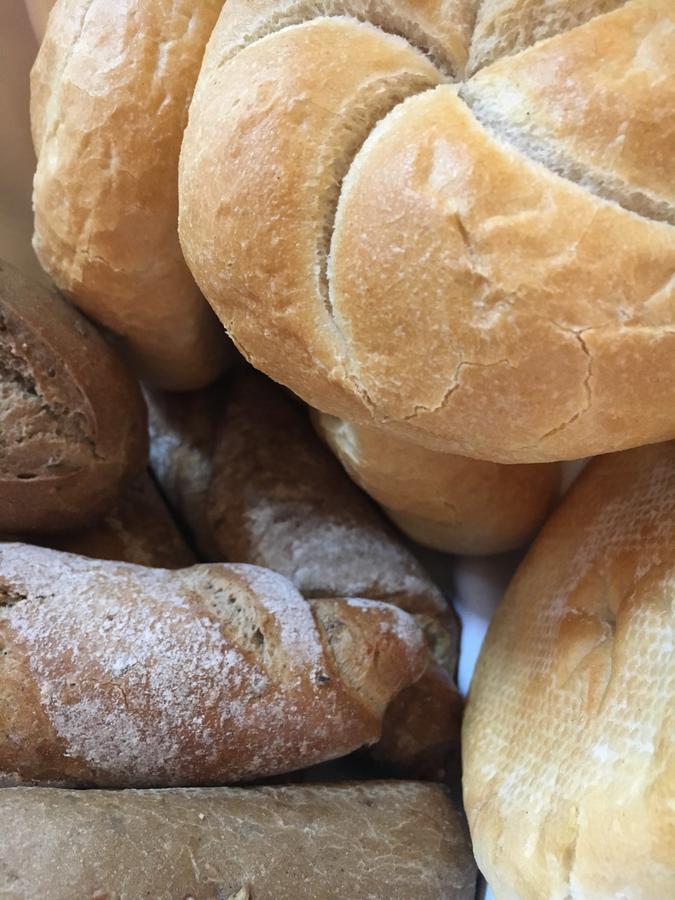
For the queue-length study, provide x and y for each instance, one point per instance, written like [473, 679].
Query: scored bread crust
[109, 95]
[470, 299]
[73, 424]
[120, 675]
[568, 739]
[444, 501]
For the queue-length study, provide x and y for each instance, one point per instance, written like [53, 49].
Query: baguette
[73, 428]
[444, 501]
[119, 675]
[384, 841]
[277, 498]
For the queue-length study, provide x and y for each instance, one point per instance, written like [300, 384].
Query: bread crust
[387, 841]
[73, 425]
[448, 502]
[119, 676]
[109, 96]
[568, 736]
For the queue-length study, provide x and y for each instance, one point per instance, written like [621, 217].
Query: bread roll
[72, 420]
[395, 261]
[447, 502]
[139, 529]
[119, 675]
[265, 491]
[568, 738]
[385, 841]
[110, 91]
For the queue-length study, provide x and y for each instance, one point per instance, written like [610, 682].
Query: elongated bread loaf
[120, 675]
[384, 841]
[110, 91]
[445, 501]
[73, 426]
[569, 737]
[264, 490]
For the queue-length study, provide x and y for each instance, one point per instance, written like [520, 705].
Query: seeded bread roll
[569, 739]
[264, 490]
[384, 841]
[73, 426]
[447, 502]
[109, 97]
[119, 675]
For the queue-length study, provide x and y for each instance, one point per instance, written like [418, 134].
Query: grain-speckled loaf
[442, 500]
[485, 268]
[119, 675]
[569, 735]
[256, 485]
[383, 841]
[110, 92]
[73, 428]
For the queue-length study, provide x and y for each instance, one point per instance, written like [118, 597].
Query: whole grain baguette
[119, 675]
[264, 490]
[72, 419]
[384, 841]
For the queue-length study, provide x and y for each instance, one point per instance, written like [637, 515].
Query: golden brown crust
[390, 841]
[211, 674]
[110, 91]
[72, 419]
[568, 738]
[447, 502]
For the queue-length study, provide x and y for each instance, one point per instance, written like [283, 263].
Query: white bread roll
[569, 737]
[401, 264]
[444, 501]
[110, 91]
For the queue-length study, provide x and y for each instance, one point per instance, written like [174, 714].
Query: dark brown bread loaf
[384, 841]
[265, 490]
[72, 419]
[119, 675]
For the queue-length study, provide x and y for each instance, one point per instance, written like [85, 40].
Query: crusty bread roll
[139, 529]
[264, 490]
[445, 501]
[413, 264]
[568, 739]
[384, 841]
[72, 420]
[110, 91]
[119, 675]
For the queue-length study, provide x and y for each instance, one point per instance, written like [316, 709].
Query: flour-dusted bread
[445, 501]
[119, 675]
[73, 426]
[383, 841]
[484, 269]
[110, 91]
[569, 736]
[242, 465]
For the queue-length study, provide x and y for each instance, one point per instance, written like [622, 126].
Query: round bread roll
[444, 501]
[73, 429]
[110, 91]
[486, 269]
[569, 737]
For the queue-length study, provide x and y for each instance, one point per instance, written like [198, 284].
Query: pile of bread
[448, 228]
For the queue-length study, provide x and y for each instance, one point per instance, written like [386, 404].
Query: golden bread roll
[486, 270]
[109, 97]
[73, 424]
[119, 675]
[382, 840]
[569, 735]
[444, 501]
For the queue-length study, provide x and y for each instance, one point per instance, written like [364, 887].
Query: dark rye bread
[383, 841]
[118, 675]
[72, 419]
[244, 468]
